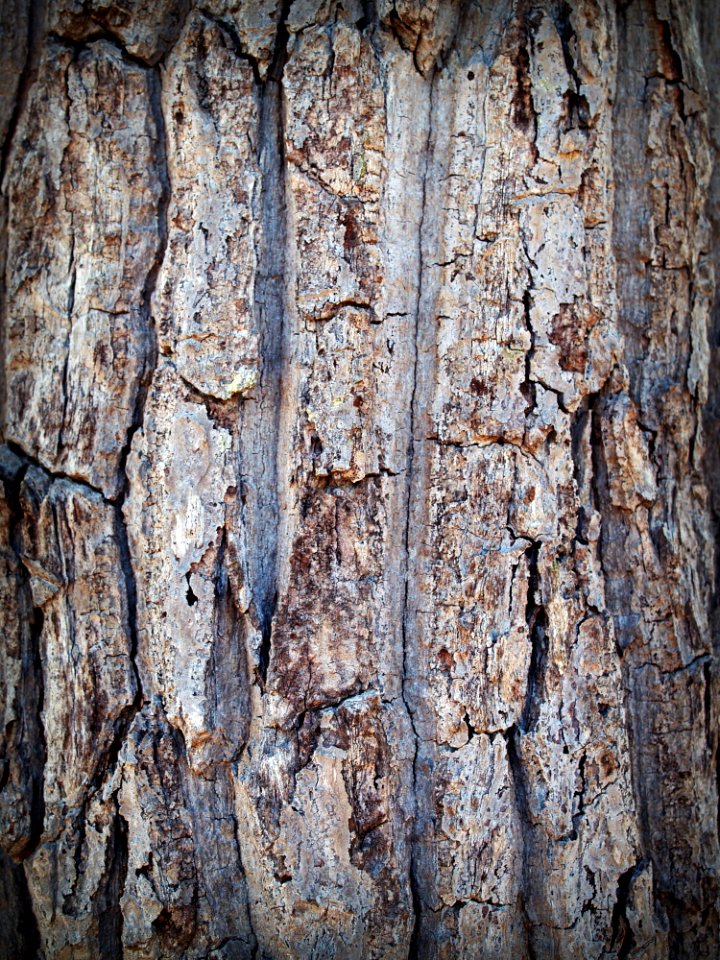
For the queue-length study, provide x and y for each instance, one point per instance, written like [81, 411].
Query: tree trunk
[360, 480]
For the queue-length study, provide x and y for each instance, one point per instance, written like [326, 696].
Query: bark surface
[359, 480]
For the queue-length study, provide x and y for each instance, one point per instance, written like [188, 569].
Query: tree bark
[360, 480]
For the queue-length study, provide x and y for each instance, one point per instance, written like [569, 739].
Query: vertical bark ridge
[709, 31]
[656, 282]
[111, 913]
[35, 14]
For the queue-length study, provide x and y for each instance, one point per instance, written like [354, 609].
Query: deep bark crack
[512, 737]
[36, 34]
[536, 619]
[412, 479]
[32, 746]
[256, 470]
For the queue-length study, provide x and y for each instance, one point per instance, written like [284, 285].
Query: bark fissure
[30, 461]
[151, 355]
[259, 465]
[151, 341]
[512, 737]
[536, 619]
[110, 915]
[623, 938]
[32, 739]
[35, 36]
[408, 631]
[578, 108]
[24, 941]
[240, 52]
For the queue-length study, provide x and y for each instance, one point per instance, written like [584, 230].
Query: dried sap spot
[446, 659]
[569, 332]
[522, 102]
[352, 231]
[608, 764]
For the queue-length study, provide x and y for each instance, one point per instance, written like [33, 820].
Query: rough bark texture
[360, 480]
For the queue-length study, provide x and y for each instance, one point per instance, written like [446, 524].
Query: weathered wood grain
[359, 481]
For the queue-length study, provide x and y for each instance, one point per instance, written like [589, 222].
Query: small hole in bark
[471, 75]
[470, 728]
[361, 23]
[190, 596]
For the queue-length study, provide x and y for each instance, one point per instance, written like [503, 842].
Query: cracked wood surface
[358, 483]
